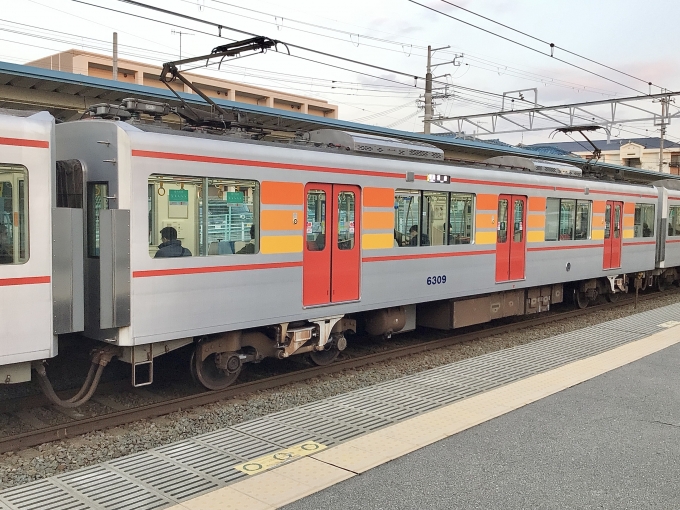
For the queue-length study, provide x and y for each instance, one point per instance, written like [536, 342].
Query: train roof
[62, 87]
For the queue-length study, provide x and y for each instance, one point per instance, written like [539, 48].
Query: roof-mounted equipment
[358, 142]
[535, 165]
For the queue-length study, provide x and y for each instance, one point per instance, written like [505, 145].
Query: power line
[551, 45]
[523, 46]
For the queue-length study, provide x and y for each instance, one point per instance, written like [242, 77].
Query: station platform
[460, 435]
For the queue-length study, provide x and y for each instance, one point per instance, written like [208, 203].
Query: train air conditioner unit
[359, 142]
[535, 165]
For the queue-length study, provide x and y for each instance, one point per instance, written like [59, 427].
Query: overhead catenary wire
[524, 46]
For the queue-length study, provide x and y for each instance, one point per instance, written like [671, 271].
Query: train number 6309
[436, 280]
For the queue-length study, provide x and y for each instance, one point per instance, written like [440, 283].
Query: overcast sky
[627, 35]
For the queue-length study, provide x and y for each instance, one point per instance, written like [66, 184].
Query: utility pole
[664, 112]
[427, 121]
[115, 55]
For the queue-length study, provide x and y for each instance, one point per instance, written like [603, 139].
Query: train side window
[434, 221]
[406, 217]
[345, 220]
[552, 219]
[461, 218]
[674, 221]
[232, 215]
[644, 220]
[316, 220]
[502, 232]
[583, 219]
[13, 214]
[96, 201]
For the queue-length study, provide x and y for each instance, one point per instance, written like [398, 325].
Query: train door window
[461, 216]
[232, 217]
[674, 221]
[644, 220]
[583, 219]
[518, 215]
[607, 221]
[97, 194]
[70, 184]
[502, 235]
[406, 217]
[552, 219]
[434, 223]
[13, 214]
[345, 220]
[617, 221]
[316, 220]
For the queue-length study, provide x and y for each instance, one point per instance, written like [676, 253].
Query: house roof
[613, 145]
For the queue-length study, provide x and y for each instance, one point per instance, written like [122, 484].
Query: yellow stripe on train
[377, 241]
[281, 244]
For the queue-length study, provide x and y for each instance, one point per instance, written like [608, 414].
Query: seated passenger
[413, 232]
[646, 231]
[250, 247]
[171, 246]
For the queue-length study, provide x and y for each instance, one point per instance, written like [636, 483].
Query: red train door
[613, 217]
[511, 238]
[331, 257]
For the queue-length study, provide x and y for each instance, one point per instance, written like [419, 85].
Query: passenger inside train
[170, 245]
[6, 256]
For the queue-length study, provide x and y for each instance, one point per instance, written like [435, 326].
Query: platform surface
[281, 458]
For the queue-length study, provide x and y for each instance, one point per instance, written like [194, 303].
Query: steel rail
[148, 411]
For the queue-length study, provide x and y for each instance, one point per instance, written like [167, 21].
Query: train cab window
[13, 214]
[345, 218]
[406, 217]
[434, 224]
[316, 220]
[644, 220]
[674, 221]
[97, 200]
[461, 216]
[502, 229]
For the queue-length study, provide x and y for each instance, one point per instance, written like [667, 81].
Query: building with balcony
[101, 66]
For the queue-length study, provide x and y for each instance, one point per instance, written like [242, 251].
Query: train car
[30, 292]
[250, 249]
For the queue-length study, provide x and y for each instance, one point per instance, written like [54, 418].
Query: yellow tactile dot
[225, 498]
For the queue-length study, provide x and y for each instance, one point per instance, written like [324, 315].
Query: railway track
[77, 426]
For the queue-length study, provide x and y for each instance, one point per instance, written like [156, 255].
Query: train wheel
[209, 375]
[322, 358]
[581, 299]
[613, 297]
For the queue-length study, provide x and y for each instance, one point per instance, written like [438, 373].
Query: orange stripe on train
[282, 193]
[378, 197]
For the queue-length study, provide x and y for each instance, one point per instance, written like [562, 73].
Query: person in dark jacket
[171, 246]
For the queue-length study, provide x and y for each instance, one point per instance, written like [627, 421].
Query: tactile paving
[158, 478]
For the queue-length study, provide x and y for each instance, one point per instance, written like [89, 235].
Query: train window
[502, 229]
[434, 219]
[345, 220]
[644, 220]
[97, 194]
[205, 216]
[461, 216]
[583, 219]
[13, 214]
[70, 184]
[674, 221]
[567, 219]
[316, 220]
[232, 228]
[518, 218]
[406, 217]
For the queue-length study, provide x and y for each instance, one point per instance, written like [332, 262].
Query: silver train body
[89, 262]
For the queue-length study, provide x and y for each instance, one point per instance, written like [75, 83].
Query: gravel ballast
[53, 458]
